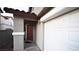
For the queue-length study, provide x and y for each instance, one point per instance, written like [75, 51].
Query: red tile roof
[21, 14]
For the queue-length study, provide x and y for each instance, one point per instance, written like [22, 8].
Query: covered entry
[30, 31]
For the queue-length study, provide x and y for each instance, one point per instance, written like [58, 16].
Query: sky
[23, 4]
[17, 4]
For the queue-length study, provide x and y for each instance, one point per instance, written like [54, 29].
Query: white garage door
[62, 33]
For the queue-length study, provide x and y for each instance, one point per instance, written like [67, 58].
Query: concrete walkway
[31, 47]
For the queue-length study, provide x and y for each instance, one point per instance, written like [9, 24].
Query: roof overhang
[56, 12]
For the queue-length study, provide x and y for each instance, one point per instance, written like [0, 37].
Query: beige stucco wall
[18, 24]
[39, 35]
[18, 39]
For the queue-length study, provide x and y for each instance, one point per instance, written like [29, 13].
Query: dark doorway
[30, 36]
[29, 33]
[28, 29]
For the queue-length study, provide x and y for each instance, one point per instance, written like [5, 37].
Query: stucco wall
[18, 39]
[62, 33]
[39, 35]
[18, 24]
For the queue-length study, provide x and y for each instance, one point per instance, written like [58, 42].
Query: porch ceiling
[41, 11]
[37, 10]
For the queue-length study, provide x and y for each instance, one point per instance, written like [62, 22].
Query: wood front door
[29, 33]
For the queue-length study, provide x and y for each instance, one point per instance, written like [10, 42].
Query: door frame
[33, 23]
